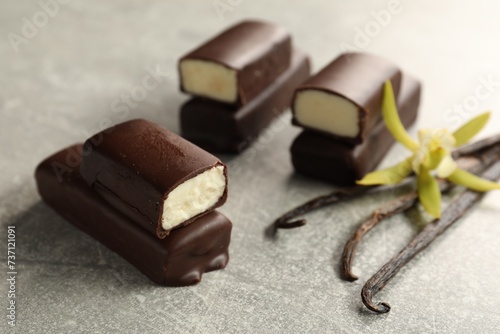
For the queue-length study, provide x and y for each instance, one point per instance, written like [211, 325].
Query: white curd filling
[193, 197]
[327, 112]
[209, 79]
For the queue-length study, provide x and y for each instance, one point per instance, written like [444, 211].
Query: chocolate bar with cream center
[322, 157]
[344, 99]
[237, 65]
[178, 260]
[219, 127]
[155, 177]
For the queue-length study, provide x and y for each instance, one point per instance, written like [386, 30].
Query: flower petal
[434, 158]
[472, 181]
[446, 167]
[442, 138]
[429, 193]
[470, 129]
[392, 121]
[391, 175]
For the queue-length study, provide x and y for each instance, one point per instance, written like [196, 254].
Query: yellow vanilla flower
[431, 155]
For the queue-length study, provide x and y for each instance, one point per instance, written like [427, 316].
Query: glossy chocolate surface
[178, 260]
[134, 165]
[325, 158]
[218, 127]
[358, 77]
[258, 51]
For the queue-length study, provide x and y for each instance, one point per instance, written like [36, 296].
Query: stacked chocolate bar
[242, 79]
[340, 109]
[147, 194]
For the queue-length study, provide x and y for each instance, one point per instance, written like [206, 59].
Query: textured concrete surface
[70, 73]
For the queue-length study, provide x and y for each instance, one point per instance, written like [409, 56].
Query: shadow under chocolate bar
[218, 127]
[180, 259]
[323, 157]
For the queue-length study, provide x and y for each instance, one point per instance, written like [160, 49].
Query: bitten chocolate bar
[178, 260]
[321, 157]
[152, 175]
[218, 127]
[238, 64]
[344, 99]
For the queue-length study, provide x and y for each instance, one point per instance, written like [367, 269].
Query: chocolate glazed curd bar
[238, 64]
[219, 127]
[344, 99]
[322, 157]
[178, 260]
[158, 179]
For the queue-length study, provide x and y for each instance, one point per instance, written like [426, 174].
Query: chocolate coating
[258, 51]
[136, 164]
[323, 157]
[178, 260]
[359, 78]
[218, 127]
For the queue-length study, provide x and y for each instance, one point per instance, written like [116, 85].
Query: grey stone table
[62, 77]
